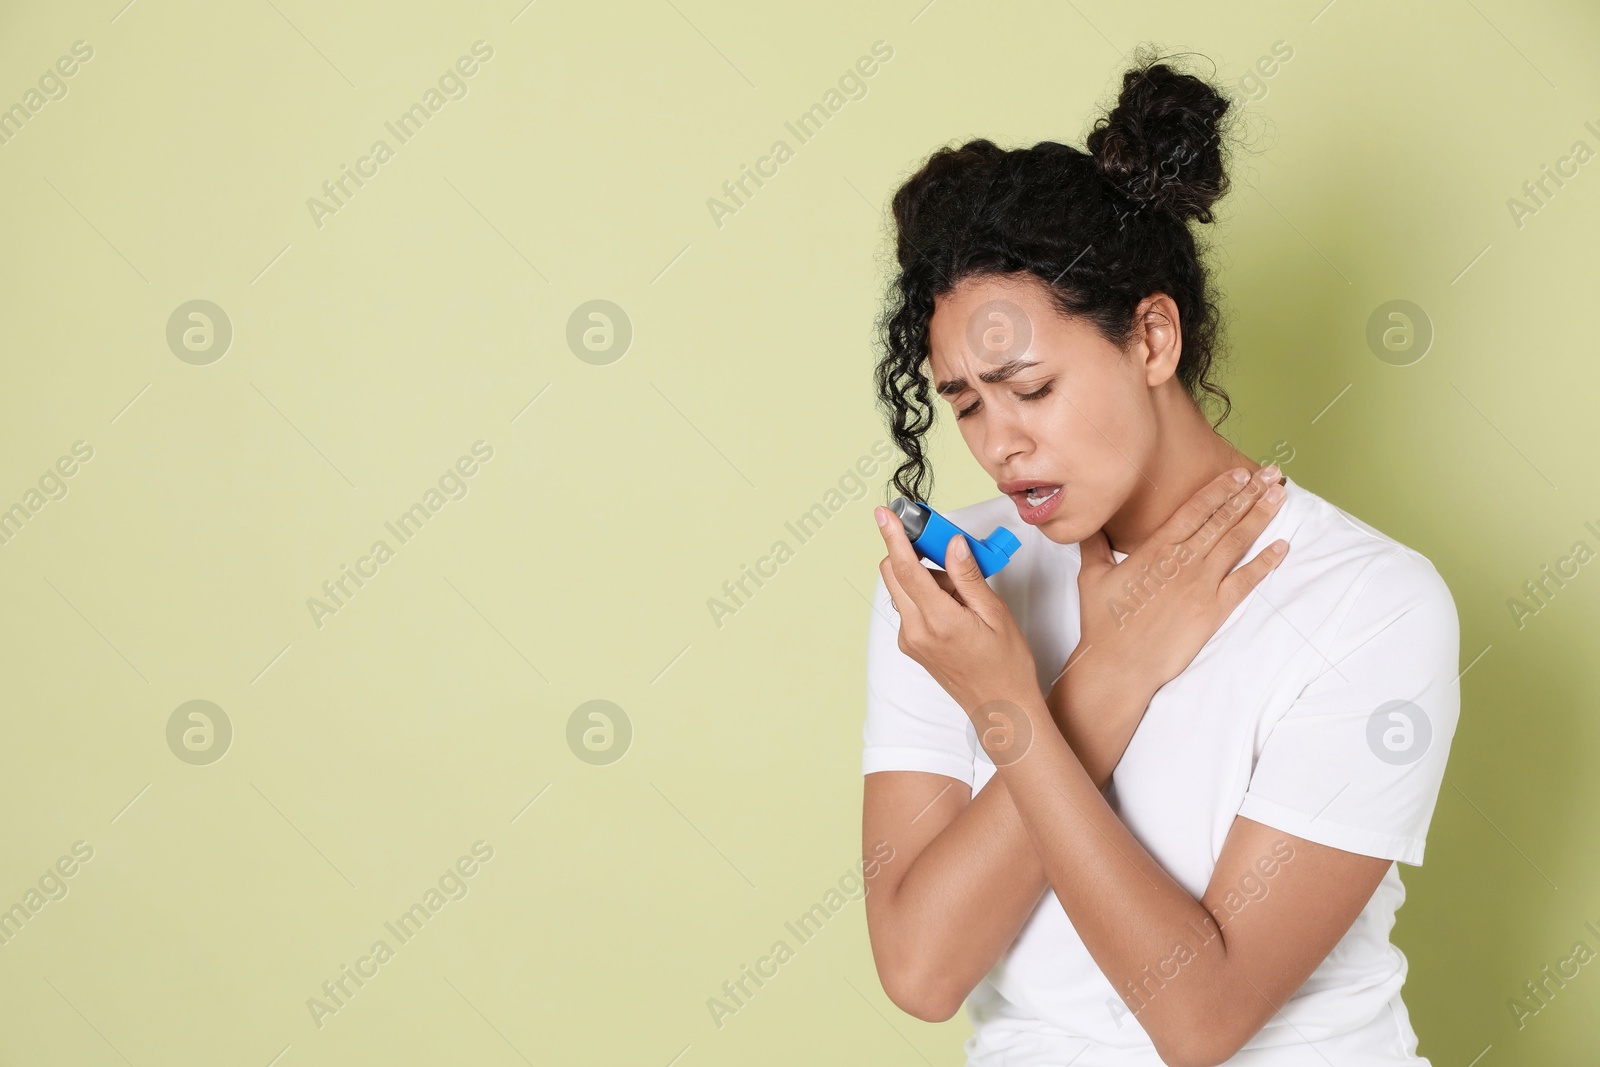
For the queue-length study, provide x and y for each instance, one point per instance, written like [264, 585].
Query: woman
[1143, 796]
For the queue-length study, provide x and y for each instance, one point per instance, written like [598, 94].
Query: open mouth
[1040, 493]
[1036, 503]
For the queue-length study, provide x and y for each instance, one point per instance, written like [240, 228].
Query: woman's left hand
[958, 628]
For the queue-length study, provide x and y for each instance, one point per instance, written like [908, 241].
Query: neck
[1188, 453]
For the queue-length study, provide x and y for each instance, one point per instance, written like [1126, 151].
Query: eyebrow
[999, 374]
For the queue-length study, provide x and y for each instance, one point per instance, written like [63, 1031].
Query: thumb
[964, 571]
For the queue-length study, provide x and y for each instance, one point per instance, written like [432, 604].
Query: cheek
[1101, 446]
[968, 428]
[1121, 407]
[1095, 431]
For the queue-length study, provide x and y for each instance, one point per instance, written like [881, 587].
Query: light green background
[368, 354]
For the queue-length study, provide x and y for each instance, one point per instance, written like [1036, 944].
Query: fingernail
[1268, 474]
[881, 515]
[1273, 494]
[1240, 477]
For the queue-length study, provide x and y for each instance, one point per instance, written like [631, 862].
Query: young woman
[1143, 791]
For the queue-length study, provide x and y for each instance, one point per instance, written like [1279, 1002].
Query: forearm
[1097, 720]
[965, 898]
[1128, 911]
[963, 901]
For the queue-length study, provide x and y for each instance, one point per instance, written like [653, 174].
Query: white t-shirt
[1291, 715]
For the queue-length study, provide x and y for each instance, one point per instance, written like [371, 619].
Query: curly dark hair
[1102, 228]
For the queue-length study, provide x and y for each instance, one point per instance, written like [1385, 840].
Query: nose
[1005, 435]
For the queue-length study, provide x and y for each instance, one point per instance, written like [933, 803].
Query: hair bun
[1161, 145]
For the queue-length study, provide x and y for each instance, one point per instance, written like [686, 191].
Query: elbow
[927, 1008]
[1189, 1055]
[1196, 1043]
[917, 991]
[915, 967]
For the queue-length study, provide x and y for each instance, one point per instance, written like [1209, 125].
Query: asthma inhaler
[930, 533]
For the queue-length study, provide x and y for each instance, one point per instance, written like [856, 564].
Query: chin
[1063, 530]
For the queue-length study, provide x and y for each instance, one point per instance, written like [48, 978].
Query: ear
[1161, 333]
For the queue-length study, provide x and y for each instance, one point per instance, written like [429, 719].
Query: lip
[1033, 516]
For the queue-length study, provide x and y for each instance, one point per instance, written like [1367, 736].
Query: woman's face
[1066, 409]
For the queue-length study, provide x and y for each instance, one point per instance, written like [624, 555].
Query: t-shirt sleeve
[1358, 759]
[911, 724]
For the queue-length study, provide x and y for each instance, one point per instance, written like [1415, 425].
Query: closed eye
[1037, 394]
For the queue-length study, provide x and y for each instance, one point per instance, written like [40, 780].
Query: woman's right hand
[1127, 650]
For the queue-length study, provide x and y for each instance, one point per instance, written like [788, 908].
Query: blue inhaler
[930, 533]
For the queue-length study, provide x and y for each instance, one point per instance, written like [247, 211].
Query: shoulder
[1374, 572]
